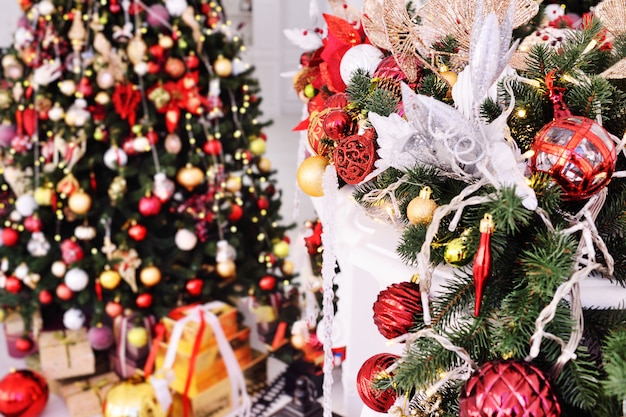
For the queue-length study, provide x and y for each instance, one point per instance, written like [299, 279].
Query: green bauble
[456, 252]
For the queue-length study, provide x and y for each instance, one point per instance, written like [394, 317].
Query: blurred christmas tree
[501, 165]
[133, 160]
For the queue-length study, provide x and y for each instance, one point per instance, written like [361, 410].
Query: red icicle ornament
[482, 260]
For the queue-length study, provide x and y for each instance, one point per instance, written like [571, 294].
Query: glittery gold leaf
[612, 14]
[374, 24]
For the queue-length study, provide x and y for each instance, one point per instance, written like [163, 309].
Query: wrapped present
[66, 354]
[14, 328]
[84, 398]
[227, 317]
[126, 358]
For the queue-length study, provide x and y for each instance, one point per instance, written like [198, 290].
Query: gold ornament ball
[450, 77]
[264, 165]
[281, 249]
[298, 341]
[132, 398]
[137, 337]
[79, 202]
[226, 269]
[43, 196]
[223, 66]
[287, 267]
[110, 279]
[190, 177]
[117, 188]
[166, 42]
[421, 209]
[233, 184]
[310, 173]
[150, 276]
[455, 253]
[258, 146]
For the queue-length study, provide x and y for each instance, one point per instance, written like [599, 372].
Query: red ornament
[338, 125]
[194, 286]
[137, 232]
[389, 68]
[113, 309]
[316, 136]
[508, 388]
[33, 224]
[12, 285]
[45, 297]
[354, 157]
[397, 308]
[10, 236]
[263, 203]
[212, 147]
[482, 261]
[144, 300]
[23, 393]
[63, 292]
[236, 212]
[24, 344]
[372, 370]
[192, 62]
[578, 153]
[336, 101]
[149, 205]
[85, 87]
[152, 136]
[71, 251]
[267, 283]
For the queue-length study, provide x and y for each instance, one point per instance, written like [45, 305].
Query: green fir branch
[614, 360]
[358, 88]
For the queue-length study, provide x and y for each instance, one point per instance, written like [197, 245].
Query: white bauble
[76, 279]
[56, 113]
[141, 68]
[58, 269]
[67, 87]
[363, 56]
[26, 205]
[105, 79]
[141, 144]
[176, 7]
[185, 239]
[21, 271]
[45, 8]
[73, 319]
[163, 187]
[115, 157]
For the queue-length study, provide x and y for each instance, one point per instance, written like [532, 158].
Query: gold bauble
[137, 337]
[281, 249]
[310, 173]
[287, 267]
[258, 146]
[450, 77]
[264, 165]
[190, 177]
[117, 188]
[456, 253]
[43, 196]
[223, 66]
[79, 202]
[132, 398]
[298, 341]
[233, 184]
[166, 42]
[136, 49]
[110, 279]
[421, 208]
[150, 276]
[226, 269]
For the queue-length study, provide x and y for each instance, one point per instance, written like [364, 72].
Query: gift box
[217, 400]
[14, 329]
[209, 368]
[226, 314]
[84, 398]
[66, 354]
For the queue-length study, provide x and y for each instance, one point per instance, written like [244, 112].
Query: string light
[521, 113]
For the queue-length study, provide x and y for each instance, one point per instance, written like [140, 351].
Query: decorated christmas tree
[491, 135]
[134, 174]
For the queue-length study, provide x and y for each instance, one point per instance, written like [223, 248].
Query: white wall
[11, 12]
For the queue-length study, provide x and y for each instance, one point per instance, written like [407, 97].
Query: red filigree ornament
[577, 153]
[508, 388]
[317, 141]
[354, 157]
[373, 370]
[397, 308]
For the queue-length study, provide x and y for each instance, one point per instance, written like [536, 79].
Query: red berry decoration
[397, 309]
[338, 125]
[10, 236]
[506, 389]
[137, 232]
[578, 153]
[149, 205]
[23, 393]
[267, 283]
[354, 157]
[194, 286]
[373, 370]
[12, 285]
[144, 300]
[24, 344]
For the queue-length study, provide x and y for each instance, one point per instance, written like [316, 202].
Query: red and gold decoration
[23, 393]
[482, 260]
[508, 388]
[354, 156]
[397, 309]
[372, 371]
[421, 209]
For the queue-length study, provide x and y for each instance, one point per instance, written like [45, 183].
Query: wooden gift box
[66, 354]
[84, 398]
[209, 366]
[226, 314]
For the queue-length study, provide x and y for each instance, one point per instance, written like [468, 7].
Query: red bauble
[137, 232]
[45, 297]
[12, 285]
[23, 393]
[397, 308]
[372, 370]
[389, 68]
[212, 147]
[192, 61]
[316, 135]
[354, 157]
[578, 153]
[194, 286]
[236, 212]
[63, 292]
[152, 136]
[84, 87]
[113, 309]
[149, 205]
[10, 236]
[336, 101]
[263, 203]
[144, 300]
[71, 251]
[506, 389]
[33, 224]
[338, 125]
[24, 344]
[267, 283]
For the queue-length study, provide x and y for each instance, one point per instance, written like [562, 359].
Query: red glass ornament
[23, 393]
[33, 224]
[24, 344]
[192, 62]
[113, 309]
[212, 147]
[129, 147]
[336, 101]
[482, 261]
[10, 236]
[372, 370]
[236, 212]
[12, 285]
[194, 286]
[578, 153]
[267, 283]
[397, 309]
[338, 125]
[152, 136]
[63, 292]
[45, 297]
[149, 205]
[144, 300]
[137, 232]
[389, 68]
[316, 136]
[71, 251]
[354, 157]
[508, 388]
[84, 86]
[263, 203]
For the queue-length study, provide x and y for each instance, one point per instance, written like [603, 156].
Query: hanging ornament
[26, 205]
[281, 249]
[226, 269]
[149, 205]
[354, 157]
[136, 49]
[12, 284]
[45, 297]
[422, 208]
[64, 293]
[157, 15]
[317, 141]
[310, 174]
[172, 143]
[85, 232]
[338, 125]
[267, 283]
[73, 319]
[190, 177]
[79, 202]
[76, 279]
[150, 276]
[10, 236]
[257, 146]
[577, 153]
[23, 393]
[113, 309]
[58, 269]
[117, 189]
[507, 388]
[185, 239]
[223, 66]
[482, 260]
[24, 344]
[110, 279]
[68, 185]
[264, 164]
[137, 337]
[100, 337]
[397, 309]
[233, 183]
[194, 287]
[456, 253]
[144, 300]
[71, 251]
[33, 223]
[163, 187]
[137, 232]
[373, 370]
[132, 397]
[212, 147]
[115, 158]
[43, 196]
[175, 67]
